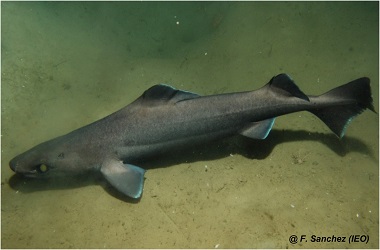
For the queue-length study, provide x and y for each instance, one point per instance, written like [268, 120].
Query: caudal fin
[355, 97]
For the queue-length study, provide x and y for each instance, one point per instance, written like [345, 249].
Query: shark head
[49, 159]
[61, 158]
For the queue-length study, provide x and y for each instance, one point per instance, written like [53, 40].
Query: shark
[164, 118]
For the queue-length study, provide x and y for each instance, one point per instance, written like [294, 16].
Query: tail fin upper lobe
[355, 96]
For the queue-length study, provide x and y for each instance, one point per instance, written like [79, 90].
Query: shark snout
[18, 168]
[13, 165]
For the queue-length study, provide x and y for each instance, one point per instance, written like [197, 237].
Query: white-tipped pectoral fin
[126, 178]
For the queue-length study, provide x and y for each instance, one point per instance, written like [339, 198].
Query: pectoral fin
[126, 178]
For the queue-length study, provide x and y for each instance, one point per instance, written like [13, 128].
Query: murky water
[67, 64]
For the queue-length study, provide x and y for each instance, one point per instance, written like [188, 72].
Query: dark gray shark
[164, 118]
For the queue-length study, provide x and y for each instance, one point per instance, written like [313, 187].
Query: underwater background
[67, 64]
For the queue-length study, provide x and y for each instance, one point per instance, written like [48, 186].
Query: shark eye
[42, 168]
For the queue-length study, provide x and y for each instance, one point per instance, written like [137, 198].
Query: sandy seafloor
[67, 64]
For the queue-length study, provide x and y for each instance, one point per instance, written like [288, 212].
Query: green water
[67, 64]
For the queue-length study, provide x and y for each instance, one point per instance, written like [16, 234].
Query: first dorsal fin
[285, 85]
[163, 94]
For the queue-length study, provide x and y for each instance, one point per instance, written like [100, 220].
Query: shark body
[164, 118]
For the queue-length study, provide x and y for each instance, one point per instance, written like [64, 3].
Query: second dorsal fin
[283, 84]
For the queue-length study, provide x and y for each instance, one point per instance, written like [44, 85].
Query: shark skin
[163, 118]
